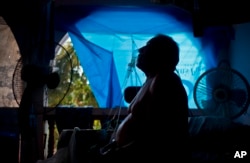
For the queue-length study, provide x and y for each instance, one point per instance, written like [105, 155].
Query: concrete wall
[9, 54]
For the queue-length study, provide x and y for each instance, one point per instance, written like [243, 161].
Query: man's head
[160, 53]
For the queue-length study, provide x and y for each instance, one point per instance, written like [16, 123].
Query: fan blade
[239, 97]
[209, 107]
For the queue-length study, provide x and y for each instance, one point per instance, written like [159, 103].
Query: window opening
[73, 89]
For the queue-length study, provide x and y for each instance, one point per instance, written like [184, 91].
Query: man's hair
[166, 50]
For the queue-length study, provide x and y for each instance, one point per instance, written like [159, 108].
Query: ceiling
[29, 20]
[212, 11]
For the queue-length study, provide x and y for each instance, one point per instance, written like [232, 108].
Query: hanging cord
[130, 70]
[116, 115]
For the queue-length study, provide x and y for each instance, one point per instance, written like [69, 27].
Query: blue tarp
[106, 39]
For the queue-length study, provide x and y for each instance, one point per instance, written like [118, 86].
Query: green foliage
[73, 89]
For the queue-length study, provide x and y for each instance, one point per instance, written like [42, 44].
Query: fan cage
[18, 85]
[224, 80]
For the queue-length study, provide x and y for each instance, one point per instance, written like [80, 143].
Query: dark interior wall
[9, 137]
[216, 12]
[30, 22]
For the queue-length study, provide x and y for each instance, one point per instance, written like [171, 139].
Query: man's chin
[138, 66]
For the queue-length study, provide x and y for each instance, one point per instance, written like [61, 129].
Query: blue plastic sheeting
[106, 39]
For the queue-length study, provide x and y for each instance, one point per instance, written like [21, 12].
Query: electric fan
[54, 72]
[222, 91]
